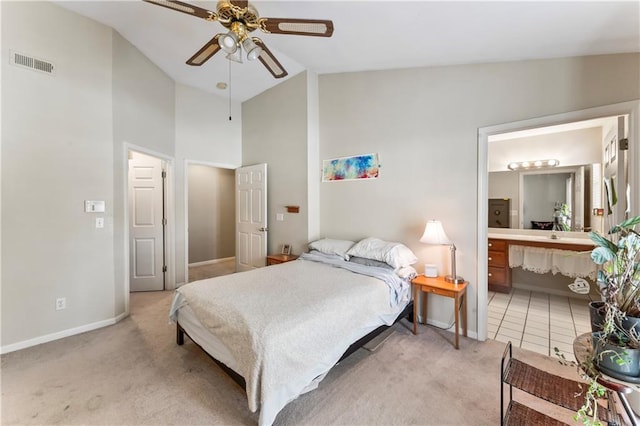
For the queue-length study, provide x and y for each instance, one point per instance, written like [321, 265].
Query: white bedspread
[288, 324]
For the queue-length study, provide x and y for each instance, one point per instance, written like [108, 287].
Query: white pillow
[395, 254]
[329, 246]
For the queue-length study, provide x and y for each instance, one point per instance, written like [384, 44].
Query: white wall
[424, 123]
[211, 213]
[57, 151]
[570, 148]
[143, 116]
[63, 142]
[275, 132]
[204, 134]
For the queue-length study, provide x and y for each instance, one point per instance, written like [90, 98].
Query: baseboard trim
[212, 261]
[60, 334]
[121, 316]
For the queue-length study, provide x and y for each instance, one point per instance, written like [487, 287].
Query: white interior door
[146, 223]
[251, 217]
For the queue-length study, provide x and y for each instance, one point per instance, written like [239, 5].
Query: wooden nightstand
[274, 259]
[440, 287]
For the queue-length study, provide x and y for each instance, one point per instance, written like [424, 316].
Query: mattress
[205, 339]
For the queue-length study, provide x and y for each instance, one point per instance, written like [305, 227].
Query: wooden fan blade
[270, 61]
[186, 8]
[240, 3]
[306, 27]
[207, 51]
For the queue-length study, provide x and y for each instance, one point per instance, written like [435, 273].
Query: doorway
[630, 109]
[210, 216]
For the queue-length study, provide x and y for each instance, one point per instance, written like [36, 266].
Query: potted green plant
[618, 258]
[616, 347]
[561, 217]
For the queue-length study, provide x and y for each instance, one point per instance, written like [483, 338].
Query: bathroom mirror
[558, 199]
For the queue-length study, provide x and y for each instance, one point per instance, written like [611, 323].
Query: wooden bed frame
[407, 312]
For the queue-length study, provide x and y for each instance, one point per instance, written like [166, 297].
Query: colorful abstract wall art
[349, 168]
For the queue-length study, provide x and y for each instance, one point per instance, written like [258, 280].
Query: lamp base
[455, 280]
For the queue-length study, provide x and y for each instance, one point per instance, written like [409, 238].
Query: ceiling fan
[241, 18]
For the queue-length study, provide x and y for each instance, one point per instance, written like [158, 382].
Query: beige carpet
[223, 267]
[133, 373]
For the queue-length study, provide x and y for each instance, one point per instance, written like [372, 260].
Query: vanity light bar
[537, 164]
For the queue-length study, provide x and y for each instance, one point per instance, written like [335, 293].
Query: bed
[279, 330]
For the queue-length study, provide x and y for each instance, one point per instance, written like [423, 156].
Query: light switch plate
[99, 222]
[279, 217]
[94, 206]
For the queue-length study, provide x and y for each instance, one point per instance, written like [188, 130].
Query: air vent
[35, 64]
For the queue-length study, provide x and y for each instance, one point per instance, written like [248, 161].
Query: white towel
[542, 260]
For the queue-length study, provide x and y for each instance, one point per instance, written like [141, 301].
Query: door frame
[631, 108]
[169, 208]
[188, 163]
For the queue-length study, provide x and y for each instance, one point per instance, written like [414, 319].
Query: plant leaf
[629, 223]
[602, 241]
[602, 255]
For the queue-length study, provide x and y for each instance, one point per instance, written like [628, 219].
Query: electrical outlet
[61, 303]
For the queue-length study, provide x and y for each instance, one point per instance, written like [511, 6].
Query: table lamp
[434, 234]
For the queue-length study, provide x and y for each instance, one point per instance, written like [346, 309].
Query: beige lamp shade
[434, 234]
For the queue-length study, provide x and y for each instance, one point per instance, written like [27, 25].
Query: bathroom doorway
[629, 109]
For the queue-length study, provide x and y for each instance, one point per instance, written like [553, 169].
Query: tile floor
[537, 321]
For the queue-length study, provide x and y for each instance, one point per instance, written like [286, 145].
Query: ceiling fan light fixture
[229, 42]
[236, 56]
[252, 49]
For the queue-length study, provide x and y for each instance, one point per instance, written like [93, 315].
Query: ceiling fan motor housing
[228, 14]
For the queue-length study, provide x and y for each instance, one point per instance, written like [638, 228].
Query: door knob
[263, 229]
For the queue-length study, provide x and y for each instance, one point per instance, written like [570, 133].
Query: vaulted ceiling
[374, 35]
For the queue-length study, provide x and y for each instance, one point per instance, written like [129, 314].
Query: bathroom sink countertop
[543, 238]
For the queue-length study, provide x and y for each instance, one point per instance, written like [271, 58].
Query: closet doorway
[210, 221]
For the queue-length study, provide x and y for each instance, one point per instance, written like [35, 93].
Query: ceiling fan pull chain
[229, 90]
